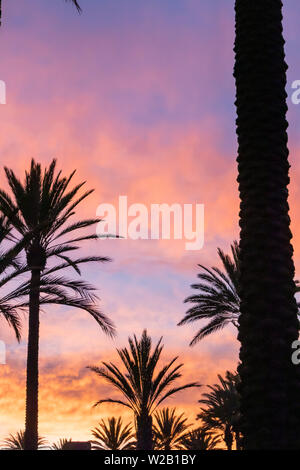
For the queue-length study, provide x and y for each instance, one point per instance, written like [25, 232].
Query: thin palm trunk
[238, 440]
[144, 432]
[268, 322]
[228, 438]
[31, 421]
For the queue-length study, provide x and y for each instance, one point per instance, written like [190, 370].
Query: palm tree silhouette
[142, 389]
[168, 429]
[60, 444]
[268, 320]
[42, 206]
[113, 435]
[73, 1]
[200, 439]
[217, 297]
[17, 442]
[222, 408]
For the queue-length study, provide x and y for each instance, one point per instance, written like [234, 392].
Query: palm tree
[222, 408]
[73, 1]
[112, 435]
[199, 439]
[17, 442]
[142, 389]
[42, 206]
[168, 429]
[218, 298]
[60, 444]
[268, 323]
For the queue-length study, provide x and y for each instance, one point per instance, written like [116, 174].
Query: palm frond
[222, 404]
[112, 435]
[83, 304]
[76, 5]
[141, 390]
[11, 315]
[87, 259]
[168, 429]
[16, 442]
[174, 390]
[200, 439]
[217, 297]
[60, 444]
[110, 400]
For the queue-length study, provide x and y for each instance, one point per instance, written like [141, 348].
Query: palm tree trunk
[31, 421]
[238, 440]
[0, 12]
[268, 321]
[228, 438]
[144, 432]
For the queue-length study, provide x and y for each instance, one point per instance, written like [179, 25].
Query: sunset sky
[138, 96]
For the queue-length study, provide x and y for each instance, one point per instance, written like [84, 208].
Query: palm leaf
[217, 297]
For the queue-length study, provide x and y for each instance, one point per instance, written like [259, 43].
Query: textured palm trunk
[31, 421]
[270, 383]
[144, 432]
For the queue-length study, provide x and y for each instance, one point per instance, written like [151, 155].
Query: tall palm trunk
[144, 432]
[31, 421]
[268, 322]
[0, 12]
